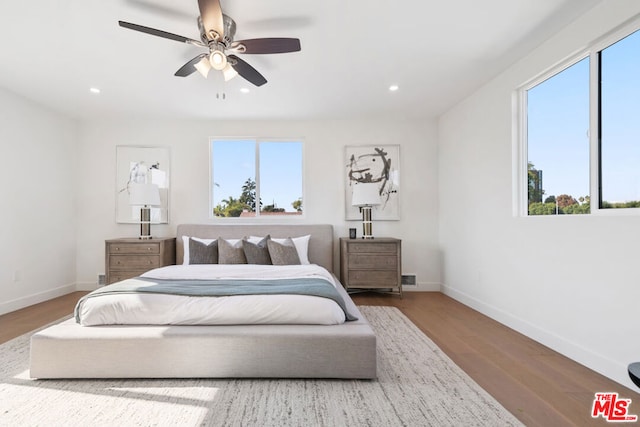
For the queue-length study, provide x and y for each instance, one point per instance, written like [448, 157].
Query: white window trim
[258, 140]
[519, 121]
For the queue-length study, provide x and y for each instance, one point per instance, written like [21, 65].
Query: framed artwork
[143, 165]
[379, 164]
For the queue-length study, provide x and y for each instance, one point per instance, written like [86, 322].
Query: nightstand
[130, 257]
[371, 264]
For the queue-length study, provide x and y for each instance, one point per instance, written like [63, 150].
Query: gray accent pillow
[283, 253]
[202, 253]
[229, 253]
[257, 253]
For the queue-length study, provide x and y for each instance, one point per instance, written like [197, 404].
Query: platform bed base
[68, 350]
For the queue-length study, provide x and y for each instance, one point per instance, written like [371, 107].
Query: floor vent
[408, 280]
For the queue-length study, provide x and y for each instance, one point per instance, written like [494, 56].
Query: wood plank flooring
[539, 386]
[22, 321]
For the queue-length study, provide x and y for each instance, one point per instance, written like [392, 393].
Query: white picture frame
[142, 164]
[379, 164]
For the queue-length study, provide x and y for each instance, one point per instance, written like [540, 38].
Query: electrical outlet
[409, 280]
[16, 275]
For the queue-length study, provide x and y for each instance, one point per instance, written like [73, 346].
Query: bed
[345, 350]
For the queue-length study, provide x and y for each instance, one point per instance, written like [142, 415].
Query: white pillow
[185, 245]
[301, 243]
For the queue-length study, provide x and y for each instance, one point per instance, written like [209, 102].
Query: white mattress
[164, 309]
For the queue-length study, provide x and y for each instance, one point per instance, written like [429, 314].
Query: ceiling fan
[216, 34]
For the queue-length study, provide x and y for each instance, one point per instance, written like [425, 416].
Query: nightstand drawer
[134, 248]
[373, 278]
[370, 261]
[373, 247]
[134, 262]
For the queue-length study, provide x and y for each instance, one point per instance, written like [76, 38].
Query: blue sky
[280, 165]
[558, 125]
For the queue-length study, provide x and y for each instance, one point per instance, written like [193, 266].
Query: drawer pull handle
[117, 248]
[148, 249]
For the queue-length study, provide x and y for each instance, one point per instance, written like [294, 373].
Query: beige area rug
[417, 385]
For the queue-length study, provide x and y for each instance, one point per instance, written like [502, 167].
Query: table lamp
[145, 196]
[365, 195]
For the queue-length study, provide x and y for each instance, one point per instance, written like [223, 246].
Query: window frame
[519, 136]
[258, 141]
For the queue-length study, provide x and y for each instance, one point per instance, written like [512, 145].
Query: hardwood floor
[22, 321]
[538, 385]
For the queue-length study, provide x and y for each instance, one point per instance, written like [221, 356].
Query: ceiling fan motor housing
[229, 32]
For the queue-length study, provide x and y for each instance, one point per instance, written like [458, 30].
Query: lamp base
[367, 224]
[145, 223]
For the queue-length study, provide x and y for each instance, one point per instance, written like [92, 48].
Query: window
[619, 88]
[256, 177]
[558, 142]
[580, 133]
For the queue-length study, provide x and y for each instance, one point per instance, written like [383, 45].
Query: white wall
[570, 282]
[38, 192]
[324, 181]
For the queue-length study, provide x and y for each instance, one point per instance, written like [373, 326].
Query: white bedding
[162, 309]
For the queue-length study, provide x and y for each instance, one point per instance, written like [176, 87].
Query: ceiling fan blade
[159, 33]
[189, 68]
[269, 45]
[211, 15]
[247, 71]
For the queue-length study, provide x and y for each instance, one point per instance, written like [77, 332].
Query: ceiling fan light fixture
[218, 60]
[203, 67]
[229, 72]
[217, 36]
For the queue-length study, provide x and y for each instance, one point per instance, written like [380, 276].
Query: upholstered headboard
[320, 243]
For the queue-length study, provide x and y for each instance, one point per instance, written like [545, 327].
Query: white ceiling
[437, 51]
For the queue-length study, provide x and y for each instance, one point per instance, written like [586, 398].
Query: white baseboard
[86, 286]
[26, 301]
[596, 362]
[422, 287]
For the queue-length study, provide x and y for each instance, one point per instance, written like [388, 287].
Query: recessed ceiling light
[394, 88]
[94, 90]
[244, 90]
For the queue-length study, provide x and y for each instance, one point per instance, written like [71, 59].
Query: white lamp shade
[218, 60]
[203, 67]
[365, 194]
[229, 73]
[144, 194]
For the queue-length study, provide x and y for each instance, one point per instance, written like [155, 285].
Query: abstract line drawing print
[379, 165]
[141, 165]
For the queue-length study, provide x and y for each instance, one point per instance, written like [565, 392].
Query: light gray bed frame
[68, 350]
